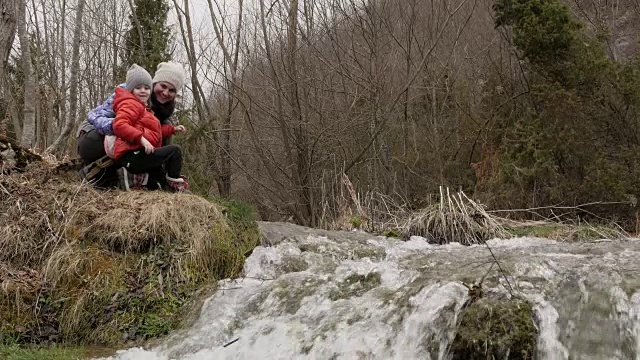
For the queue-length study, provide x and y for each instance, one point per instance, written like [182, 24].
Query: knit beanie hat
[171, 72]
[136, 75]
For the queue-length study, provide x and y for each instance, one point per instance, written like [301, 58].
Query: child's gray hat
[136, 76]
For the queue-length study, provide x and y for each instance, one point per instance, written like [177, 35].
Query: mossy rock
[355, 285]
[496, 329]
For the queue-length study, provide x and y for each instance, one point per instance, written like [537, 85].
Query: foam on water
[352, 296]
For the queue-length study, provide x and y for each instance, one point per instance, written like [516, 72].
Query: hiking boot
[130, 181]
[91, 171]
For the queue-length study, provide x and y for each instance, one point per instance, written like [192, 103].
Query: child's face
[142, 92]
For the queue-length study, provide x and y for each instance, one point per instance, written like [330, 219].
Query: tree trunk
[231, 101]
[301, 176]
[224, 178]
[204, 113]
[29, 109]
[7, 34]
[73, 93]
[281, 118]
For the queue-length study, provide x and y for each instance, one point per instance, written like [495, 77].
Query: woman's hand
[180, 128]
[148, 148]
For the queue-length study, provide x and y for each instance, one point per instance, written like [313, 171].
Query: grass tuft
[456, 218]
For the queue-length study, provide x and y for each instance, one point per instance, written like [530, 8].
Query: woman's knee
[91, 146]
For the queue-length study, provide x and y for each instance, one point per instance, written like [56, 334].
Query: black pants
[140, 162]
[90, 149]
[91, 146]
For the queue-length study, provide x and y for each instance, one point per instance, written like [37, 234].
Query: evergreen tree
[574, 138]
[147, 42]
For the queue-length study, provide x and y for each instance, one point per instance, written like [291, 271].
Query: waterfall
[314, 294]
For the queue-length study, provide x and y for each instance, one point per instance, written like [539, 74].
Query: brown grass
[141, 219]
[102, 262]
[456, 218]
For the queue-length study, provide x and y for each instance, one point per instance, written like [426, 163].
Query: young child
[138, 133]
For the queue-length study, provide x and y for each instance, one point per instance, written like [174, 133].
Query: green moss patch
[355, 285]
[38, 353]
[78, 266]
[291, 294]
[496, 329]
[292, 263]
[566, 232]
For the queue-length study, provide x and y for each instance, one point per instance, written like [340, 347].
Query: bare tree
[58, 144]
[29, 111]
[7, 35]
[230, 70]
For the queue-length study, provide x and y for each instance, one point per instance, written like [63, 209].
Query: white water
[338, 295]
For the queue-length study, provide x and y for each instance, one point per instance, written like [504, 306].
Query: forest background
[330, 111]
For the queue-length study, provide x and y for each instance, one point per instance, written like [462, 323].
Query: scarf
[162, 111]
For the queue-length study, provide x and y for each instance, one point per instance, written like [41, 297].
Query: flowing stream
[315, 294]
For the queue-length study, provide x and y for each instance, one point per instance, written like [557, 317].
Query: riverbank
[85, 267]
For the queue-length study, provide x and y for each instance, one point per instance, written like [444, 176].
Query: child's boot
[178, 184]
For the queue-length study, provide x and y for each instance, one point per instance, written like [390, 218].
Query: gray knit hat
[171, 72]
[136, 75]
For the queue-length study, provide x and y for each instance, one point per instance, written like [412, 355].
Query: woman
[100, 169]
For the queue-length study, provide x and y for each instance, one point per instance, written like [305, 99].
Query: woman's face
[164, 91]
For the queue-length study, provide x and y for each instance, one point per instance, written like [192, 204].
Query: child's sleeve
[102, 116]
[127, 115]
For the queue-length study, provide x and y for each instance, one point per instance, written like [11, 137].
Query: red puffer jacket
[133, 120]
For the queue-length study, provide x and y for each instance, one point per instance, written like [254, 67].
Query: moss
[543, 231]
[385, 295]
[567, 232]
[354, 318]
[241, 217]
[292, 263]
[493, 328]
[393, 233]
[100, 287]
[309, 248]
[630, 286]
[291, 295]
[356, 222]
[584, 232]
[374, 253]
[355, 285]
[306, 349]
[15, 352]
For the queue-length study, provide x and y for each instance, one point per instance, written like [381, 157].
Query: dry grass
[37, 215]
[564, 230]
[142, 219]
[101, 265]
[345, 208]
[89, 276]
[456, 218]
[18, 286]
